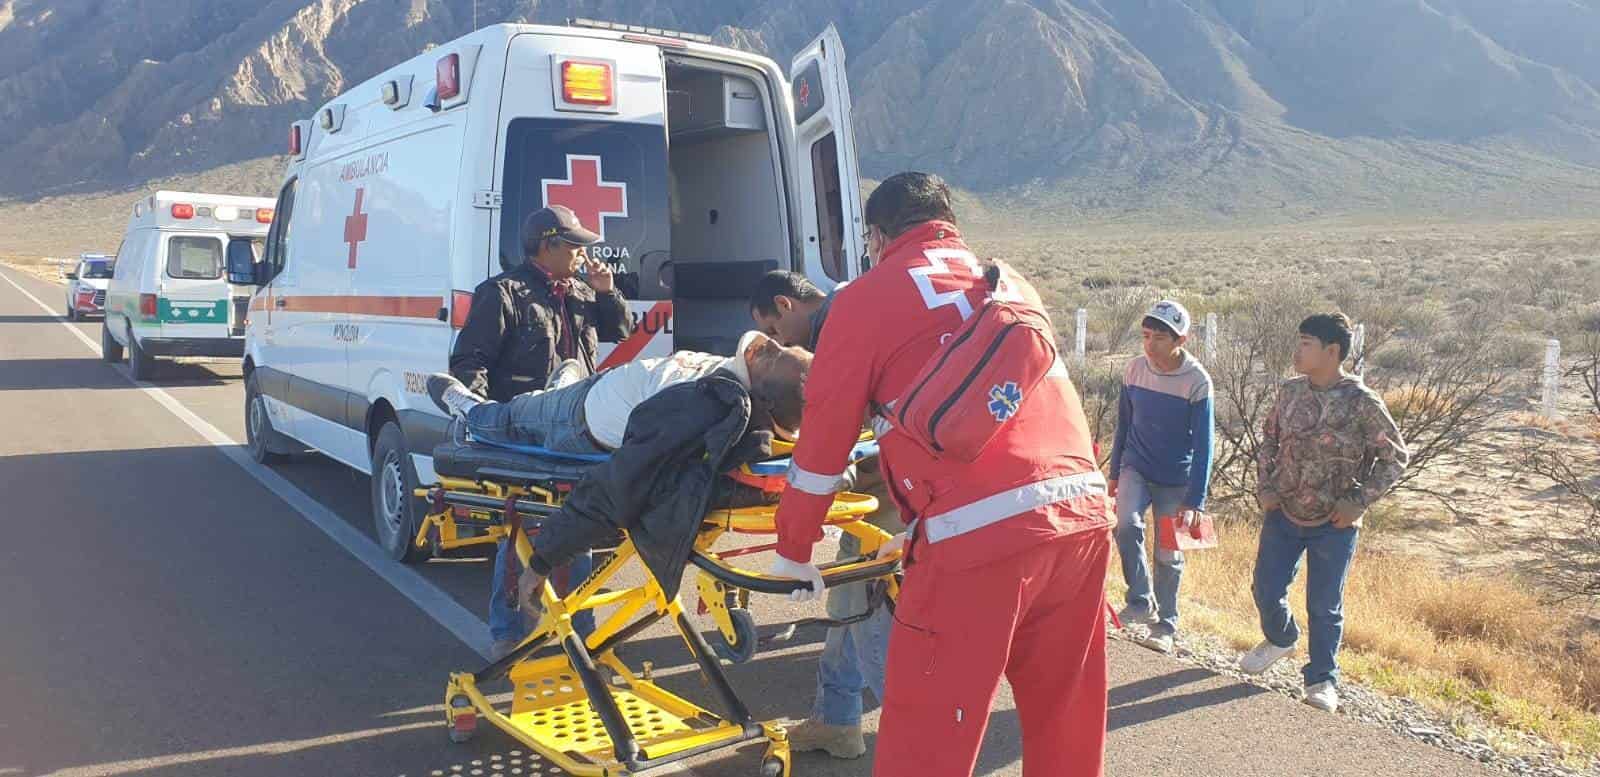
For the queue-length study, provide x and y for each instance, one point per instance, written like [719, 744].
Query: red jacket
[1034, 482]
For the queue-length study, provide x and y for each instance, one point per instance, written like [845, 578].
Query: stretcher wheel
[772, 767]
[743, 646]
[463, 720]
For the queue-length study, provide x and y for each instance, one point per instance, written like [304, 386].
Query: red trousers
[1037, 617]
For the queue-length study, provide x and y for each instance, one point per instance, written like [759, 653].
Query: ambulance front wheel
[743, 646]
[396, 512]
[260, 438]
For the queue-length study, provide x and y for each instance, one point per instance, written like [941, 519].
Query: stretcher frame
[574, 701]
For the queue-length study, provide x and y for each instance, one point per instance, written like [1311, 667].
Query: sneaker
[502, 648]
[837, 741]
[451, 395]
[1134, 615]
[1262, 656]
[1159, 640]
[1324, 696]
[566, 373]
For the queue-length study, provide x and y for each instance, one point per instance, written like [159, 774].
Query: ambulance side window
[830, 207]
[277, 248]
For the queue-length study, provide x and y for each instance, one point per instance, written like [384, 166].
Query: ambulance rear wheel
[743, 646]
[396, 512]
[139, 363]
[110, 349]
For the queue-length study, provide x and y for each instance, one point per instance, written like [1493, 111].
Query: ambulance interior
[727, 202]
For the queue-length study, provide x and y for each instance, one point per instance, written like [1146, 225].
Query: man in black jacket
[526, 321]
[523, 324]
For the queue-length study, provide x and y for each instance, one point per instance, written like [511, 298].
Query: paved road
[169, 608]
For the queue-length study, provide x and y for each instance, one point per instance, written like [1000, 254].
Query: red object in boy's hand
[1199, 535]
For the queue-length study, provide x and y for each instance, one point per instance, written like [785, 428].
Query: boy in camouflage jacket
[1329, 451]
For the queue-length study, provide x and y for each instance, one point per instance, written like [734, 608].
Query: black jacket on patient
[664, 479]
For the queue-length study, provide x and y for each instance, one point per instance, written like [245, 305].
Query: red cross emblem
[586, 191]
[355, 227]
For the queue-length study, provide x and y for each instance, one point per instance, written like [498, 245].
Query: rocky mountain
[1211, 107]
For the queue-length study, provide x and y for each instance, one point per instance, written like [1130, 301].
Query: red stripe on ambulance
[652, 323]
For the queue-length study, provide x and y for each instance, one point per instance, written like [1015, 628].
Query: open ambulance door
[825, 161]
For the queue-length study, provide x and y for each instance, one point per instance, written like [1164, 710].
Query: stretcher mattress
[475, 461]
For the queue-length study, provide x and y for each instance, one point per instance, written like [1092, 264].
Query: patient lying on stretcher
[664, 431]
[588, 415]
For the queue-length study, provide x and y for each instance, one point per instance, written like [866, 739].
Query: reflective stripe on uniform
[813, 483]
[994, 509]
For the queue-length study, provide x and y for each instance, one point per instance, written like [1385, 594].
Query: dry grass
[1482, 644]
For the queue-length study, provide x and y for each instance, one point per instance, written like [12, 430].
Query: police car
[86, 285]
[168, 295]
[701, 167]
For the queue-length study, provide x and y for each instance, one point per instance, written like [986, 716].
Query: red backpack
[982, 374]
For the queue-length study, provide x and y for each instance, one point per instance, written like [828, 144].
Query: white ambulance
[168, 295]
[701, 167]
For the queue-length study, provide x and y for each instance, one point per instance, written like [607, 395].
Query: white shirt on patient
[621, 389]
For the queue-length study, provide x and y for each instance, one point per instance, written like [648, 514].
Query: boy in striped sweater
[1160, 461]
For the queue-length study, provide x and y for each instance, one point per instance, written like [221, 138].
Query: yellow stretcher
[574, 701]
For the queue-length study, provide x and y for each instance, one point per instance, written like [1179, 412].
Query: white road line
[437, 604]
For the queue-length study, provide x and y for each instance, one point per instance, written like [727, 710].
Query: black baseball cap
[556, 221]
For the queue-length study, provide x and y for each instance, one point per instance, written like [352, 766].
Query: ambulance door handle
[279, 302]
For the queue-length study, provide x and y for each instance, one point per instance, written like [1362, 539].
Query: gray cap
[1172, 314]
[556, 221]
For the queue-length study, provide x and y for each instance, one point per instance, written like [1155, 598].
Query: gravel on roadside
[1467, 735]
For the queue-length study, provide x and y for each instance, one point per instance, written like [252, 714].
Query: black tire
[262, 440]
[396, 512]
[141, 364]
[773, 767]
[743, 647]
[110, 349]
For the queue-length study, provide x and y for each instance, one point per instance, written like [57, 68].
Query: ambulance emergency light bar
[188, 210]
[642, 34]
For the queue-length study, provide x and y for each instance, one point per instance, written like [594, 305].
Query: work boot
[451, 395]
[837, 741]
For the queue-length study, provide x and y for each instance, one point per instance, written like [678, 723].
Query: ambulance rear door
[583, 124]
[825, 160]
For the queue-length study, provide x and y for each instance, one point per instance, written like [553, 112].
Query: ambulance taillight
[587, 83]
[447, 74]
[263, 215]
[460, 306]
[182, 210]
[147, 307]
[294, 140]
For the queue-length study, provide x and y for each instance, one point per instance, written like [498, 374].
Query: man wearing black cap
[524, 323]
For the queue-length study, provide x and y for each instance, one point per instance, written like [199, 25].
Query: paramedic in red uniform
[1006, 559]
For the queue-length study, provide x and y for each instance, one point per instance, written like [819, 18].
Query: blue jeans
[552, 419]
[1328, 553]
[853, 656]
[505, 620]
[1135, 495]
